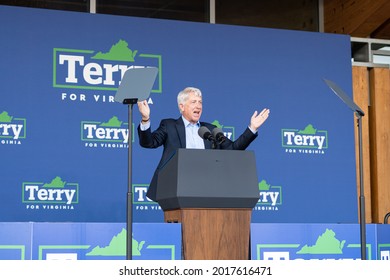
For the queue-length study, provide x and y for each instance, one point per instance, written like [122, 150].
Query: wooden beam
[361, 97]
[358, 18]
[380, 142]
[383, 32]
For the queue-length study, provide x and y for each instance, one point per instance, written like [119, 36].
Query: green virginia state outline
[119, 52]
[326, 243]
[117, 247]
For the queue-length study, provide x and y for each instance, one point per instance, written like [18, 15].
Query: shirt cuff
[144, 126]
[253, 131]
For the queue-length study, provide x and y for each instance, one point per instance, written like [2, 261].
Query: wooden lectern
[212, 194]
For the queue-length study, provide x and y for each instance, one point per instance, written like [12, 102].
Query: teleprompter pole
[136, 84]
[129, 205]
[359, 114]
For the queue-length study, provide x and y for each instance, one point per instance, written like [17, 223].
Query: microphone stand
[213, 144]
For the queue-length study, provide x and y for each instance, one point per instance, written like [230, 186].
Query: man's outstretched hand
[258, 119]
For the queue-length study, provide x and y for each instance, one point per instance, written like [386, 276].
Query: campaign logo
[95, 75]
[12, 130]
[270, 197]
[109, 134]
[56, 195]
[326, 247]
[228, 131]
[307, 141]
[141, 202]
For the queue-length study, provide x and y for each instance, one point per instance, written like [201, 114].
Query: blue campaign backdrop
[63, 138]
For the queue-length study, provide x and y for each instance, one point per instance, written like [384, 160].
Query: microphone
[205, 133]
[218, 135]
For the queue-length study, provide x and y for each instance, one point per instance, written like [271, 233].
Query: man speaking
[189, 132]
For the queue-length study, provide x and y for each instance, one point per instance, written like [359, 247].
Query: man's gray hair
[182, 97]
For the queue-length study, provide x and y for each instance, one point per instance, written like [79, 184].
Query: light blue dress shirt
[193, 140]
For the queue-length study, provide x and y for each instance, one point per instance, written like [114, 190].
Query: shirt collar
[186, 122]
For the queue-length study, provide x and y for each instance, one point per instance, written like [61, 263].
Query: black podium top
[208, 179]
